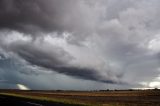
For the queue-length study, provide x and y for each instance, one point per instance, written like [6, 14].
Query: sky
[79, 44]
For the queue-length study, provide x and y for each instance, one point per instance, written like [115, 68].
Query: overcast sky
[80, 44]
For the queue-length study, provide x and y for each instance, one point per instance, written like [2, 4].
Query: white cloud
[154, 44]
[22, 87]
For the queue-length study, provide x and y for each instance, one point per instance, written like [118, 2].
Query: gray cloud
[118, 41]
[27, 15]
[37, 16]
[56, 59]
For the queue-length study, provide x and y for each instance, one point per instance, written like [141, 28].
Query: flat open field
[102, 98]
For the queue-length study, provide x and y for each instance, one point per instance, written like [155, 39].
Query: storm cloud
[34, 16]
[55, 59]
[105, 41]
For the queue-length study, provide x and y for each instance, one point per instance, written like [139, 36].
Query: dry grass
[108, 98]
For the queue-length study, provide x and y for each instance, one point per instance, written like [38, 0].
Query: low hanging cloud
[105, 40]
[56, 59]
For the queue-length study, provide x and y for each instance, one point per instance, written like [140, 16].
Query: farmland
[94, 98]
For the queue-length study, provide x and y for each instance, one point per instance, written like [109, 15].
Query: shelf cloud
[106, 41]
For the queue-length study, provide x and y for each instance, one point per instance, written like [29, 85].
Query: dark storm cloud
[36, 16]
[27, 15]
[57, 60]
[119, 40]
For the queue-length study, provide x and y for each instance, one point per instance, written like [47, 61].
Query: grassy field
[93, 98]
